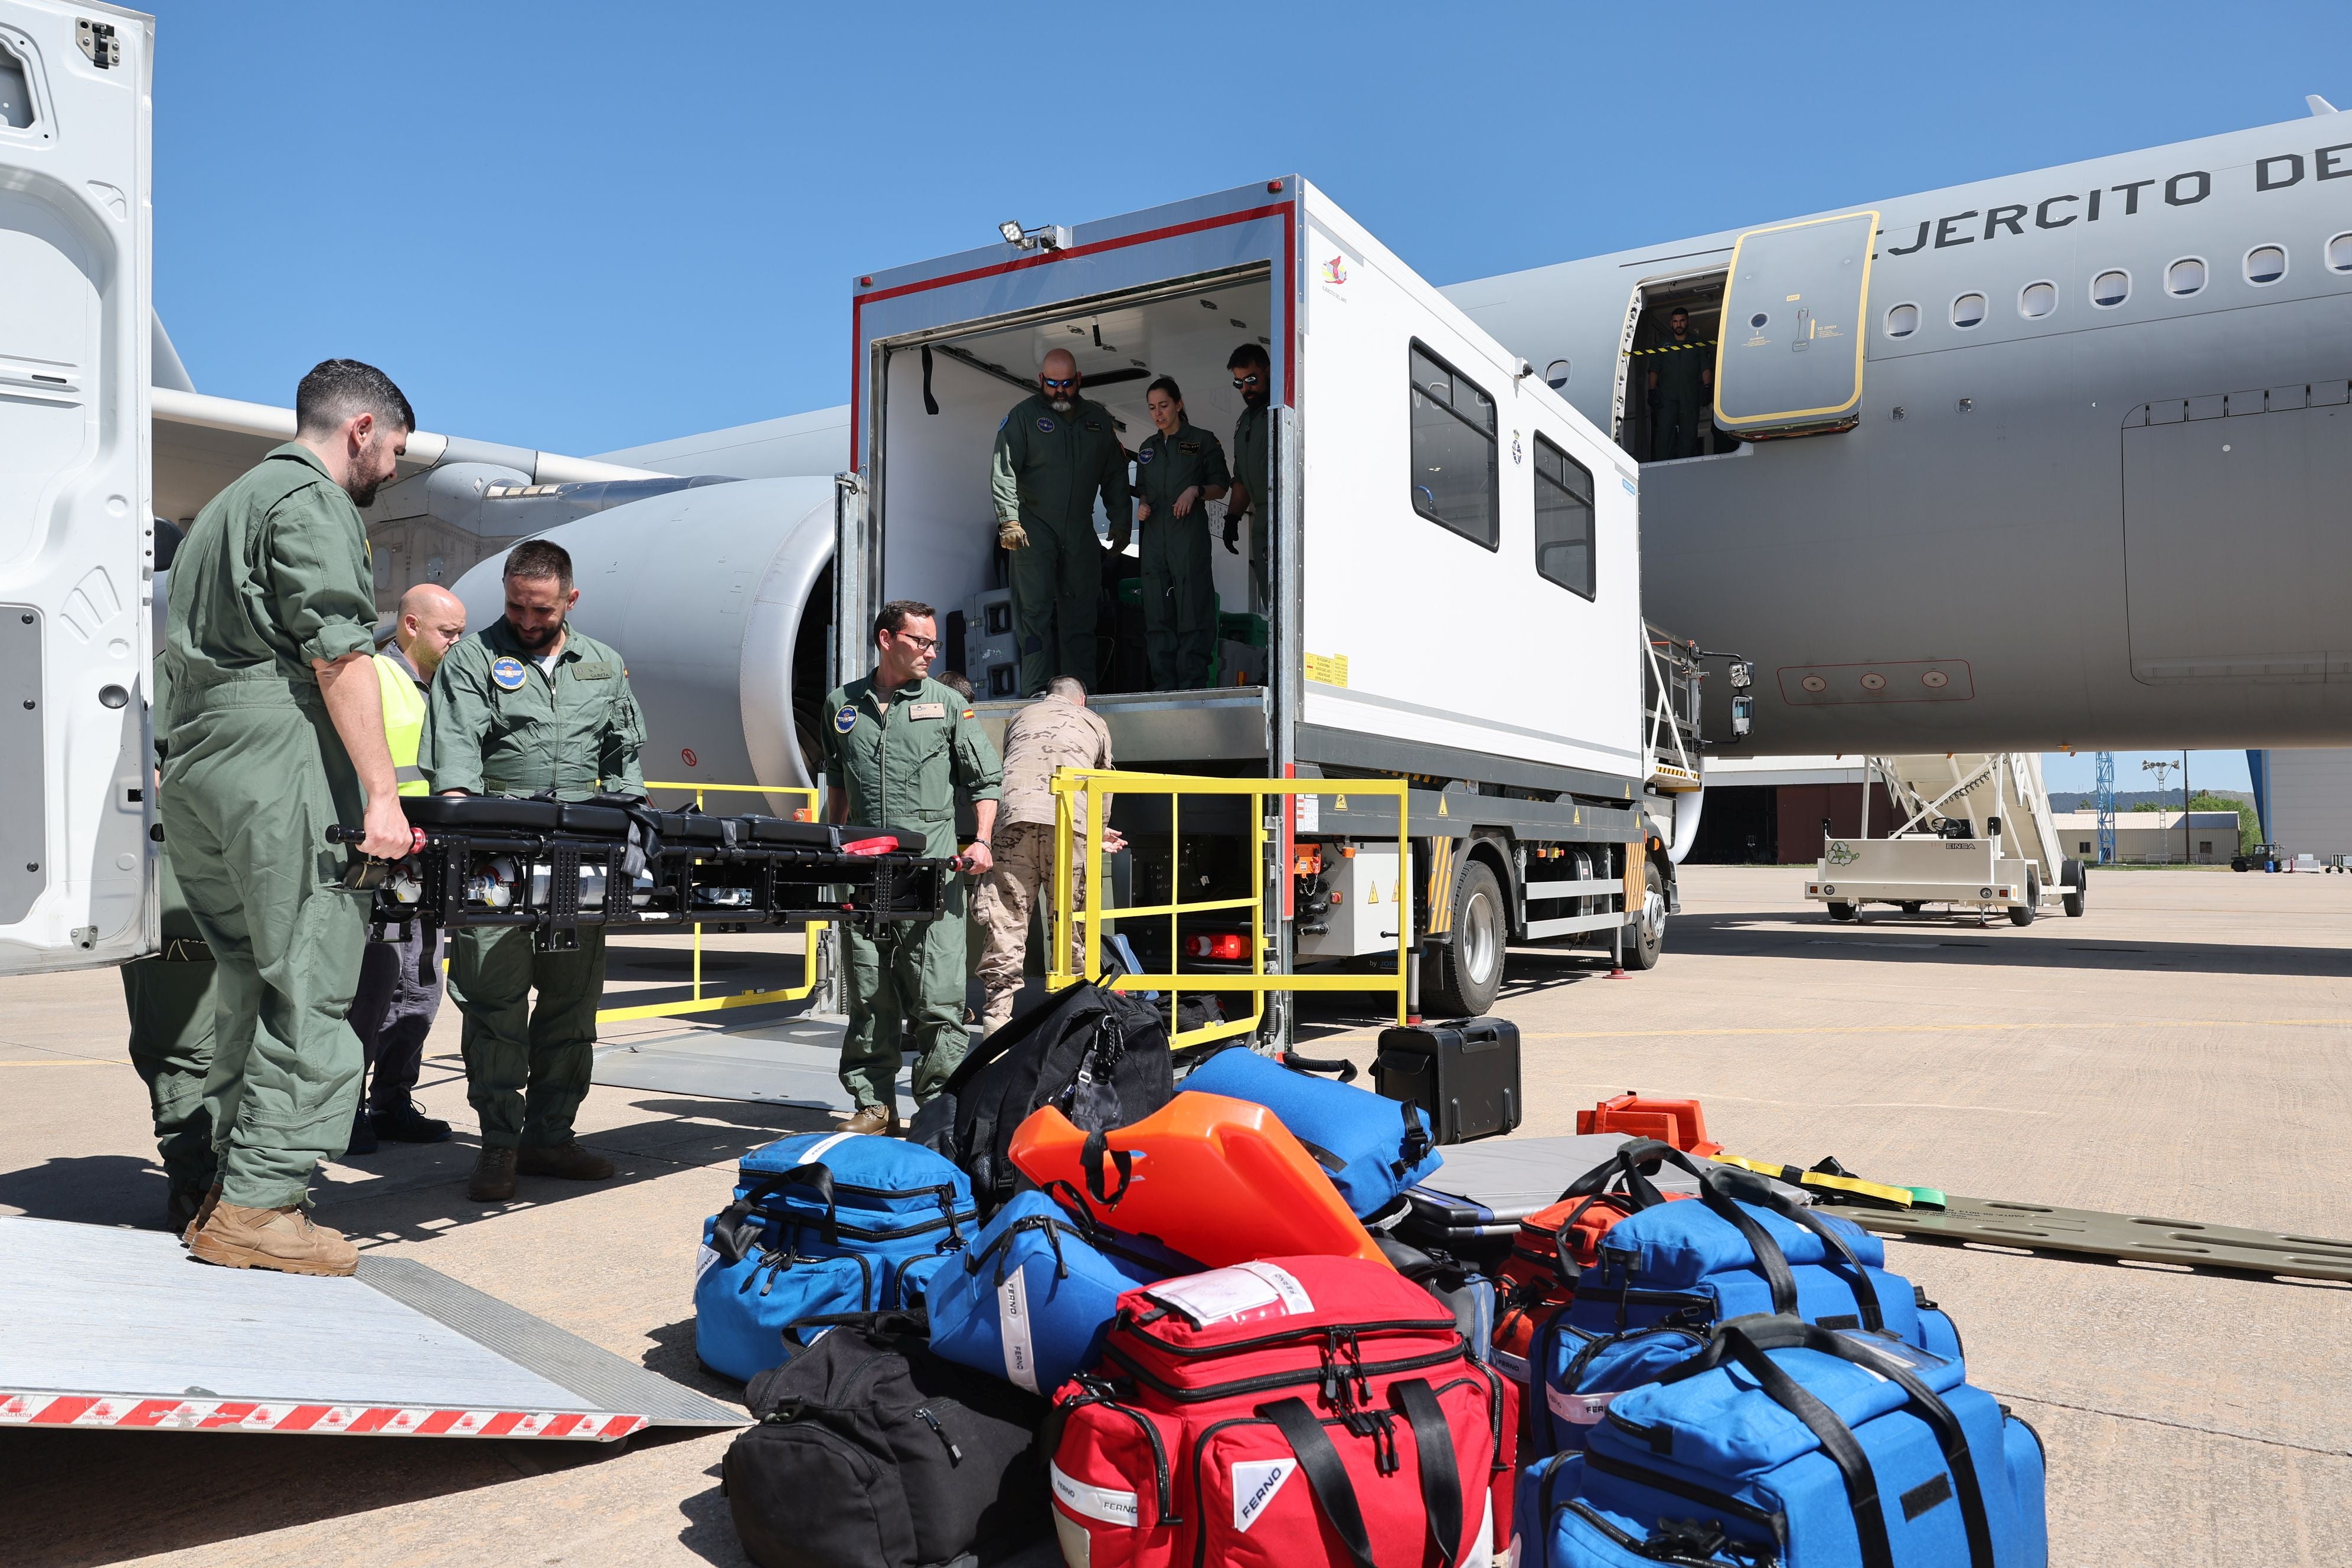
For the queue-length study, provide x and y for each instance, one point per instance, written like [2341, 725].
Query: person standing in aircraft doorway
[1055, 453]
[1682, 386]
[1179, 469]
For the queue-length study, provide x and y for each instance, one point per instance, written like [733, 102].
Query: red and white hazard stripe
[47, 1409]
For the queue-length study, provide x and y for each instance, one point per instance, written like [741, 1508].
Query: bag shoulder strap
[1441, 1476]
[1327, 1476]
[736, 1238]
[1770, 1259]
[1762, 1334]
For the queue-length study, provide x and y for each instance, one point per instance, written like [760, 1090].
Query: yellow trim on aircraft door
[1860, 323]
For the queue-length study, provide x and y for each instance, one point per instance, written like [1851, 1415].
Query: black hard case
[1464, 1075]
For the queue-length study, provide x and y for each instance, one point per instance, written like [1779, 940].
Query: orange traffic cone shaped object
[1218, 1180]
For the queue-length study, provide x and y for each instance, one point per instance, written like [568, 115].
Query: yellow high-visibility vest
[403, 722]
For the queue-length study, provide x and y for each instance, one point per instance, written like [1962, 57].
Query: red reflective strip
[438, 1422]
[622, 1425]
[562, 1425]
[62, 1412]
[504, 1422]
[371, 1420]
[226, 1414]
[884, 846]
[151, 1412]
[303, 1417]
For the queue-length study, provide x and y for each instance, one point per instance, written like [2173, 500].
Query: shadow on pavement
[1921, 938]
[709, 1531]
[89, 1189]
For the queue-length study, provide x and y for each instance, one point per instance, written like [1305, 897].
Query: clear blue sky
[583, 225]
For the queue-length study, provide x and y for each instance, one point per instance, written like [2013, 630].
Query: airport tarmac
[2184, 1050]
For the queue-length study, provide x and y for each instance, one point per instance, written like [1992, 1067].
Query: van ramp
[122, 1329]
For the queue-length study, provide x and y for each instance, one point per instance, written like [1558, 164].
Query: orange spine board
[1218, 1180]
[1677, 1122]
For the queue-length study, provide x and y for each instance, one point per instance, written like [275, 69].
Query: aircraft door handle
[1805, 333]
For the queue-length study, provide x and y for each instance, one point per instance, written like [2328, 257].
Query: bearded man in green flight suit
[1054, 454]
[271, 730]
[525, 705]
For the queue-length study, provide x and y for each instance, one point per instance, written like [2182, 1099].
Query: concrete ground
[2185, 1051]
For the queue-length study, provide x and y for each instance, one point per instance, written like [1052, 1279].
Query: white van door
[76, 518]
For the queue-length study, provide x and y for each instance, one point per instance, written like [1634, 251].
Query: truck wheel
[1911, 906]
[1646, 935]
[1461, 979]
[2075, 879]
[1841, 912]
[2022, 915]
[2237, 862]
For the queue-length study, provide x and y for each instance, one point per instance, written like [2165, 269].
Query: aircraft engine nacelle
[712, 597]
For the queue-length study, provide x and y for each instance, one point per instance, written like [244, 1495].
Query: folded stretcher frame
[557, 866]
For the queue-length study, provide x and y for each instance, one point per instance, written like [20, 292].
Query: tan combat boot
[283, 1239]
[877, 1120]
[567, 1160]
[493, 1178]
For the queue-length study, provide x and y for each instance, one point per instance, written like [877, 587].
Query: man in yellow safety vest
[400, 979]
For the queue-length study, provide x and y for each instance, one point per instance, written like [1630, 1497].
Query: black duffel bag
[1100, 1057]
[871, 1452]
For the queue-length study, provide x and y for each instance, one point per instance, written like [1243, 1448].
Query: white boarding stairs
[1972, 830]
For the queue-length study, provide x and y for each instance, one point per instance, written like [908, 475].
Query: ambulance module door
[1788, 358]
[75, 483]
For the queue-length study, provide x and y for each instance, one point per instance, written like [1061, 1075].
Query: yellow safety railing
[696, 1002]
[1090, 786]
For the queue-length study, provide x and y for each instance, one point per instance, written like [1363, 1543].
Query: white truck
[1455, 588]
[1974, 833]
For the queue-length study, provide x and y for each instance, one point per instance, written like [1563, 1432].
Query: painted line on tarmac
[1949, 1029]
[73, 1062]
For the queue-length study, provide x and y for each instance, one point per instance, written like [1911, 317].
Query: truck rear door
[76, 518]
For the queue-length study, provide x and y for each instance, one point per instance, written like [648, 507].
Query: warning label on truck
[1330, 670]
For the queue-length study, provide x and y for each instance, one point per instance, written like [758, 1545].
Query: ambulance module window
[1454, 479]
[1563, 519]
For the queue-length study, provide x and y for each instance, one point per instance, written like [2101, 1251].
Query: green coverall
[499, 724]
[1682, 370]
[900, 761]
[273, 576]
[169, 999]
[1179, 598]
[1045, 472]
[1250, 437]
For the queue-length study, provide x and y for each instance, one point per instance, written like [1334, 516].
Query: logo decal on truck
[1334, 271]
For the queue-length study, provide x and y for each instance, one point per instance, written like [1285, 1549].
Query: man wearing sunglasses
[1250, 493]
[1054, 454]
[898, 748]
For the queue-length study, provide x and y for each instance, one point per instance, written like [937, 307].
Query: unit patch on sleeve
[506, 672]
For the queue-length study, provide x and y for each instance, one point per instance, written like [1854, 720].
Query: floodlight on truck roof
[1045, 237]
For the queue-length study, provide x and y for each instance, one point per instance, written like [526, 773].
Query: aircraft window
[2036, 300]
[1563, 520]
[1556, 375]
[2185, 277]
[1968, 310]
[2265, 264]
[1454, 479]
[16, 93]
[2109, 290]
[1902, 320]
[2339, 253]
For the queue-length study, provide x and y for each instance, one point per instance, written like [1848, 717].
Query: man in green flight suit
[1253, 491]
[1054, 452]
[1681, 383]
[525, 705]
[273, 733]
[1179, 468]
[897, 747]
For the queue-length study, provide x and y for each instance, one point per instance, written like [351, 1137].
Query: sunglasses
[1057, 386]
[1249, 379]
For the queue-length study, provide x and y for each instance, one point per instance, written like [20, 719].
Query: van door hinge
[98, 41]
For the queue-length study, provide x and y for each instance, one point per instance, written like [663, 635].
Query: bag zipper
[923, 1413]
[1266, 1381]
[1159, 1450]
[1691, 1491]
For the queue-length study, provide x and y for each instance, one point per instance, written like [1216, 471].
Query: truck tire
[1645, 934]
[1841, 912]
[2076, 878]
[1462, 978]
[2022, 914]
[1911, 906]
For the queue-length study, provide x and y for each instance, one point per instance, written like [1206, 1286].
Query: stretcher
[557, 866]
[2144, 1239]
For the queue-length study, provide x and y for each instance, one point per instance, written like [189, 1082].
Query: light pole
[2160, 770]
[2188, 850]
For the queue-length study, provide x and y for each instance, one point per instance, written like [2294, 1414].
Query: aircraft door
[75, 483]
[1788, 359]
